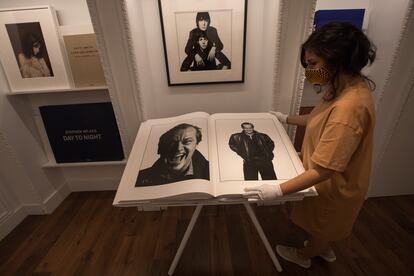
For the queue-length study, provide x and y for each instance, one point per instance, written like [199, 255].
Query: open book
[198, 156]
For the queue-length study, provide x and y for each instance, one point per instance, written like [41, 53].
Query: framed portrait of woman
[204, 41]
[31, 52]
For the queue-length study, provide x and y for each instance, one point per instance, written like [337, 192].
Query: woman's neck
[343, 81]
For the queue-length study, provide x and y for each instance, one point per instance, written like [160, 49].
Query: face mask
[318, 76]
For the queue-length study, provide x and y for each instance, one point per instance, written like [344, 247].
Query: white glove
[263, 192]
[280, 116]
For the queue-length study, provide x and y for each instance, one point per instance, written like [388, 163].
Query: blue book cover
[353, 16]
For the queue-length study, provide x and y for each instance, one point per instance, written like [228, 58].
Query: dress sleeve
[336, 146]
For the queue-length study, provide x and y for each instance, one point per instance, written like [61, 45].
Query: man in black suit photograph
[256, 150]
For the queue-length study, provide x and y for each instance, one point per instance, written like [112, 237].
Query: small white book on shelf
[197, 156]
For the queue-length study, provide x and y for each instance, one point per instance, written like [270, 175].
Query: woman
[338, 141]
[31, 61]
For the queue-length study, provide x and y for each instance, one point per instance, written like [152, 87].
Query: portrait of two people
[180, 160]
[204, 48]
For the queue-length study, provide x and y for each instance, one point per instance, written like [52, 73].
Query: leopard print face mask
[318, 76]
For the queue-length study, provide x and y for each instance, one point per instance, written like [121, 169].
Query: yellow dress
[339, 136]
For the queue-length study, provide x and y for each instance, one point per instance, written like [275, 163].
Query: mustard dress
[339, 136]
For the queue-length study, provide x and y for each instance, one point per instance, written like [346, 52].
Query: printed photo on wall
[175, 153]
[204, 41]
[31, 51]
[204, 50]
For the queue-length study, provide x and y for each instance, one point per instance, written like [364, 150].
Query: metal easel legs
[255, 222]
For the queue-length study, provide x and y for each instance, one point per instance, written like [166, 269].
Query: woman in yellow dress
[338, 142]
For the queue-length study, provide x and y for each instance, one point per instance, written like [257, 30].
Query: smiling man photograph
[179, 159]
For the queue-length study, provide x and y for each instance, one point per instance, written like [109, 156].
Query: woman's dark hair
[29, 42]
[343, 47]
[203, 16]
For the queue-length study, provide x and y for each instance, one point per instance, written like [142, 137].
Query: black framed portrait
[204, 41]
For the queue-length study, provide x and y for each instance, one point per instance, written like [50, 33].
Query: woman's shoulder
[355, 107]
[355, 97]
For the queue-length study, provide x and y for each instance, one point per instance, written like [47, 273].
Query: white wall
[73, 12]
[384, 29]
[159, 100]
[394, 175]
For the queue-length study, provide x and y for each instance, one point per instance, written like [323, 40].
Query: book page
[250, 149]
[170, 158]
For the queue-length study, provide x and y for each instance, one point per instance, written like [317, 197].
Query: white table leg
[263, 237]
[185, 239]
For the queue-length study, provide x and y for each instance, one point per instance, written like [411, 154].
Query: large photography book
[85, 132]
[84, 60]
[198, 156]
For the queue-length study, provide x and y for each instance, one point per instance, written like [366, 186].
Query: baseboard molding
[11, 220]
[56, 198]
[80, 185]
[50, 203]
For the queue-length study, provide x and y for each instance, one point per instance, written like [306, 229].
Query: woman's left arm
[307, 179]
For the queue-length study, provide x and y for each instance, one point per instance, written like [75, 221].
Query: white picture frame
[25, 69]
[226, 32]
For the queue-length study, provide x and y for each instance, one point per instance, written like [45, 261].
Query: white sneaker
[328, 256]
[290, 254]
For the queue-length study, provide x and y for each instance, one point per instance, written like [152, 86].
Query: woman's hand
[263, 192]
[280, 116]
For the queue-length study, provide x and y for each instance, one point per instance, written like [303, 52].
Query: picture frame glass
[31, 55]
[204, 41]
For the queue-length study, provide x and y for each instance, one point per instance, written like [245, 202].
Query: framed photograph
[31, 52]
[204, 41]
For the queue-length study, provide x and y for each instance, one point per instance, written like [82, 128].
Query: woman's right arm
[299, 120]
[24, 66]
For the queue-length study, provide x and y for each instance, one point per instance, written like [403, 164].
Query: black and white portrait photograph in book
[198, 156]
[175, 153]
[251, 149]
[203, 40]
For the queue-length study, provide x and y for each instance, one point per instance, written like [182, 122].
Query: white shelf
[53, 164]
[80, 89]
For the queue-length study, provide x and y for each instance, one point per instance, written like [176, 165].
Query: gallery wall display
[31, 52]
[204, 41]
[84, 60]
[82, 132]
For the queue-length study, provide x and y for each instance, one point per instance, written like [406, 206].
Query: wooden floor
[87, 236]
